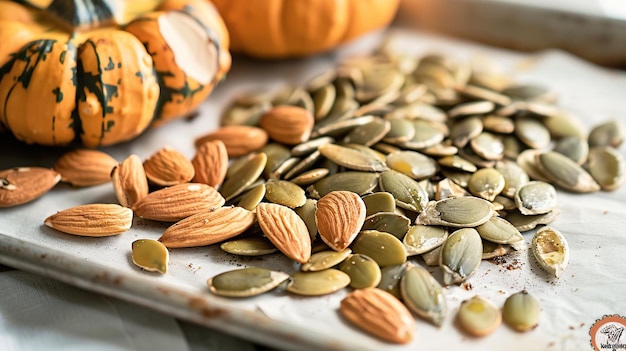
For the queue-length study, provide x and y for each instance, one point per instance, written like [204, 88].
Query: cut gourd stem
[83, 14]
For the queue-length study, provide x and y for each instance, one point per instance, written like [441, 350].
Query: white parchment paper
[593, 285]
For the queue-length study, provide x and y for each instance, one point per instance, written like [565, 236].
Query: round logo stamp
[607, 333]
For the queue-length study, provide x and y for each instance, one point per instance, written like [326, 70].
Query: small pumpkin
[87, 70]
[294, 28]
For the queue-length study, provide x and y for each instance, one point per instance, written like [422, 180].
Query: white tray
[592, 286]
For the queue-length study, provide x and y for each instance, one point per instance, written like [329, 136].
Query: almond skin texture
[290, 125]
[239, 139]
[84, 167]
[24, 184]
[380, 314]
[339, 217]
[210, 163]
[174, 203]
[92, 220]
[286, 230]
[168, 167]
[129, 181]
[208, 227]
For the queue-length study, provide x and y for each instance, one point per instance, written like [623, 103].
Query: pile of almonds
[307, 172]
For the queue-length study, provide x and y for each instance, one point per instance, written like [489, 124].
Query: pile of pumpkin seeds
[453, 162]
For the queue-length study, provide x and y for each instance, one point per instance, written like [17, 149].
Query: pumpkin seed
[488, 146]
[609, 133]
[406, 191]
[447, 188]
[307, 213]
[466, 211]
[431, 258]
[500, 231]
[388, 222]
[528, 222]
[514, 177]
[248, 174]
[276, 154]
[418, 110]
[252, 197]
[412, 163]
[323, 100]
[302, 165]
[527, 160]
[249, 115]
[390, 278]
[532, 133]
[320, 80]
[464, 130]
[423, 238]
[498, 124]
[493, 250]
[400, 130]
[352, 158]
[565, 173]
[471, 108]
[342, 124]
[460, 255]
[530, 92]
[284, 193]
[310, 146]
[480, 93]
[150, 255]
[284, 167]
[536, 197]
[384, 248]
[507, 203]
[607, 166]
[310, 176]
[253, 246]
[381, 201]
[486, 183]
[478, 316]
[551, 250]
[575, 148]
[357, 182]
[423, 294]
[246, 282]
[460, 178]
[426, 135]
[325, 259]
[521, 311]
[562, 124]
[440, 150]
[318, 283]
[457, 163]
[364, 272]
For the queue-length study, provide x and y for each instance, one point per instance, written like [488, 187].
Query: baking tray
[592, 286]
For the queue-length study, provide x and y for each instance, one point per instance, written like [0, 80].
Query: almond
[168, 167]
[289, 125]
[238, 139]
[83, 167]
[210, 163]
[92, 220]
[208, 227]
[380, 314]
[339, 217]
[129, 181]
[174, 203]
[24, 184]
[285, 229]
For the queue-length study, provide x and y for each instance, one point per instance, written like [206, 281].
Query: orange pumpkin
[293, 28]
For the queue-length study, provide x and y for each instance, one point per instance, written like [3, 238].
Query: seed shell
[536, 197]
[551, 250]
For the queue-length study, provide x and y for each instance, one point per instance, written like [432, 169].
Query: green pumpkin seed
[488, 146]
[339, 126]
[284, 193]
[358, 182]
[464, 130]
[575, 148]
[609, 133]
[447, 188]
[471, 108]
[150, 255]
[532, 133]
[246, 282]
[323, 100]
[318, 283]
[551, 250]
[418, 110]
[514, 177]
[253, 246]
[466, 211]
[310, 146]
[325, 259]
[412, 163]
[565, 173]
[506, 203]
[320, 80]
[388, 222]
[498, 124]
[368, 134]
[352, 158]
[420, 239]
[426, 135]
[423, 295]
[400, 130]
[390, 278]
[493, 250]
[364, 272]
[607, 166]
[500, 231]
[460, 178]
[536, 197]
[284, 167]
[381, 201]
[562, 124]
[478, 316]
[521, 311]
[512, 146]
[407, 192]
[486, 183]
[527, 160]
[248, 174]
[460, 255]
[303, 165]
[384, 248]
[528, 222]
[480, 93]
[307, 213]
[252, 197]
[310, 176]
[530, 92]
[440, 150]
[238, 114]
[457, 163]
[431, 258]
[276, 154]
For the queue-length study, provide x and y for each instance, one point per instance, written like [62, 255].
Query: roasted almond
[168, 167]
[380, 314]
[238, 139]
[289, 125]
[174, 203]
[92, 220]
[339, 217]
[208, 227]
[24, 184]
[210, 163]
[84, 167]
[129, 181]
[285, 229]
